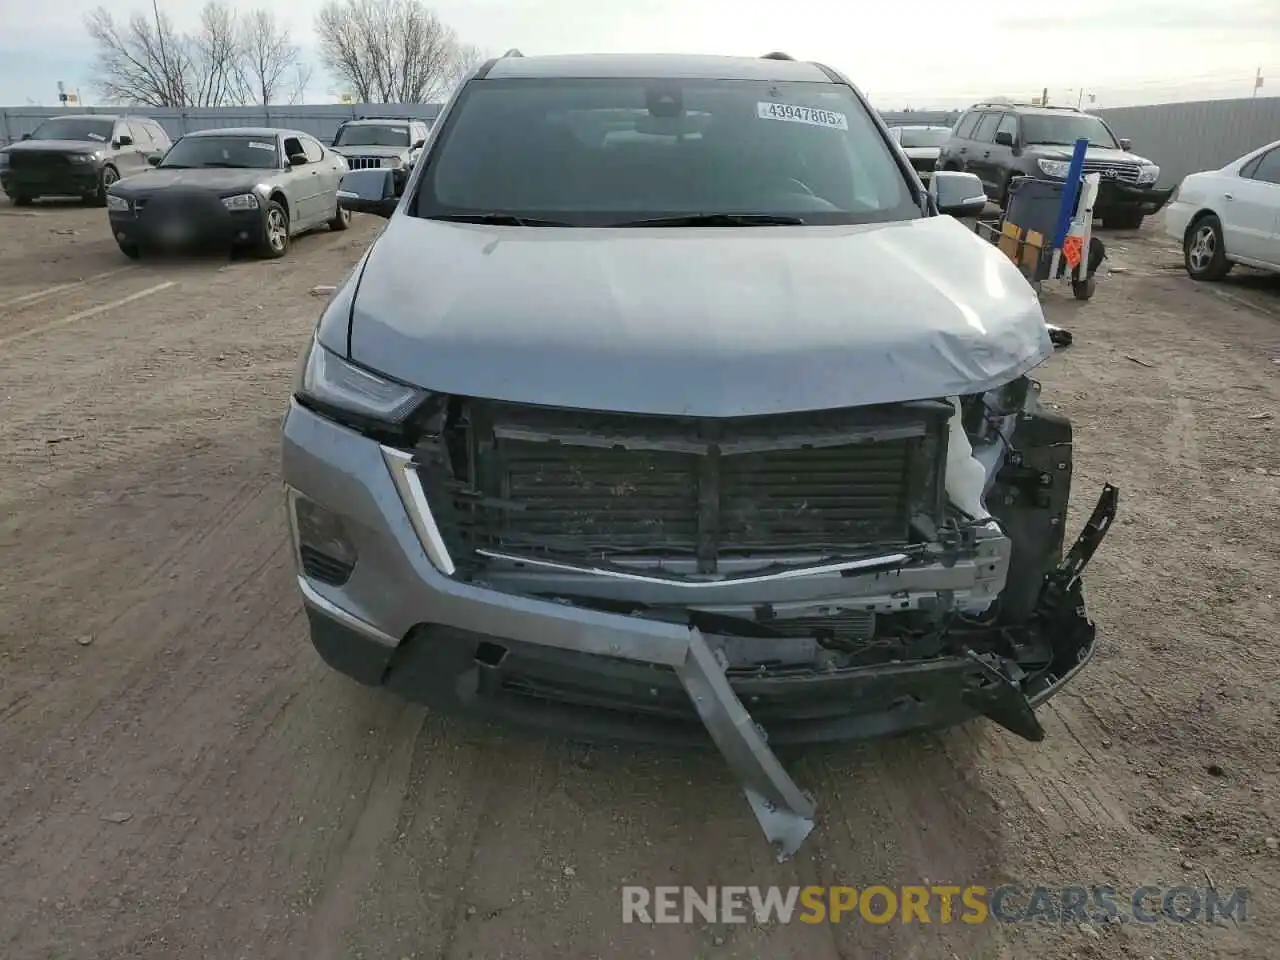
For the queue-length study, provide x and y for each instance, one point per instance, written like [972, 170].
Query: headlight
[241, 201]
[332, 384]
[119, 204]
[393, 162]
[82, 158]
[1055, 168]
[1148, 174]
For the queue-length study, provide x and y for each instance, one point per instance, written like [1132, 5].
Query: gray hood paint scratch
[712, 322]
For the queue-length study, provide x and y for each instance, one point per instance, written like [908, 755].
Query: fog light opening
[490, 654]
[325, 552]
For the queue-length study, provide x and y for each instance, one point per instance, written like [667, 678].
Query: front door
[1252, 214]
[979, 156]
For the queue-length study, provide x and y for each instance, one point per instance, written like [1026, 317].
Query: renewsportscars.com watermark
[936, 903]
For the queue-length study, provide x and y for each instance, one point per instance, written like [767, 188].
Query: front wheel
[20, 200]
[275, 232]
[1203, 252]
[341, 220]
[130, 250]
[109, 176]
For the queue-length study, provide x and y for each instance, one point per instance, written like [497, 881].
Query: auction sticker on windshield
[793, 113]
[261, 146]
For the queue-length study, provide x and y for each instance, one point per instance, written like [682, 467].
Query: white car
[921, 144]
[1229, 216]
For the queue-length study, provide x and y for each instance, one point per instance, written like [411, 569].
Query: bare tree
[390, 51]
[142, 61]
[216, 59]
[228, 59]
[271, 65]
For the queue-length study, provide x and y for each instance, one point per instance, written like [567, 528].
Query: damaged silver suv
[670, 404]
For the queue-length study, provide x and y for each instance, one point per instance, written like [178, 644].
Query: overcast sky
[921, 53]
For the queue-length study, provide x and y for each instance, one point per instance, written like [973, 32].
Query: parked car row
[250, 187]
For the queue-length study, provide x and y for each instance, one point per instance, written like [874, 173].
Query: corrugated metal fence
[1181, 137]
[319, 120]
[1185, 137]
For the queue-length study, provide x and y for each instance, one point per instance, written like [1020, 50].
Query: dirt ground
[180, 775]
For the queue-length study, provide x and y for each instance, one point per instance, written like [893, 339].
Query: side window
[1009, 125]
[158, 136]
[1267, 167]
[964, 129]
[313, 150]
[987, 128]
[141, 135]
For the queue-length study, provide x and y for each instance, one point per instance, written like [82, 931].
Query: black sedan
[243, 187]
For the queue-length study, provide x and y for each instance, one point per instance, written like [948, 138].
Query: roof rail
[1024, 103]
[513, 52]
[777, 55]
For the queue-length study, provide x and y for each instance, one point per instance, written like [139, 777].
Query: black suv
[999, 141]
[79, 156]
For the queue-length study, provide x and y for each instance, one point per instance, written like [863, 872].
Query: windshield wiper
[715, 220]
[502, 219]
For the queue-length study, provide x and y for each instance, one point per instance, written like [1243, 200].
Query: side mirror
[297, 159]
[1126, 144]
[1004, 138]
[418, 144]
[958, 194]
[154, 159]
[375, 191]
[26, 136]
[124, 142]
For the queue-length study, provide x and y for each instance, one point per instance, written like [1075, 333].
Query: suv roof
[375, 121]
[1012, 106]
[645, 65]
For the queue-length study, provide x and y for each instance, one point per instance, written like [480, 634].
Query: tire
[1084, 289]
[275, 232]
[341, 220]
[1203, 251]
[109, 176]
[20, 200]
[130, 250]
[1129, 220]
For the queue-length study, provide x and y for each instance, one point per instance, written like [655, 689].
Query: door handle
[1227, 196]
[964, 149]
[987, 154]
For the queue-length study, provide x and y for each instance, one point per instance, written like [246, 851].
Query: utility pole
[164, 58]
[1044, 97]
[1257, 83]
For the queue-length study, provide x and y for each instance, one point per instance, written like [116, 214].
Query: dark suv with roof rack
[1002, 140]
[79, 156]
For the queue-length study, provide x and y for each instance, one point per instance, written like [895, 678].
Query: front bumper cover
[560, 665]
[1116, 195]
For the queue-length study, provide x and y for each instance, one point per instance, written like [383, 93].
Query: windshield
[372, 136]
[1066, 129]
[223, 152]
[75, 128]
[610, 152]
[923, 136]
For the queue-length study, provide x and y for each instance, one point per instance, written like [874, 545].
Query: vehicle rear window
[75, 128]
[230, 152]
[373, 135]
[924, 136]
[595, 152]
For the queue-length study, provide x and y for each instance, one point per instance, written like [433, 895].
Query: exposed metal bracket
[784, 811]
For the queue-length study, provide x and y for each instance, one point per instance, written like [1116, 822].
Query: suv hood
[59, 146]
[1053, 151]
[710, 322]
